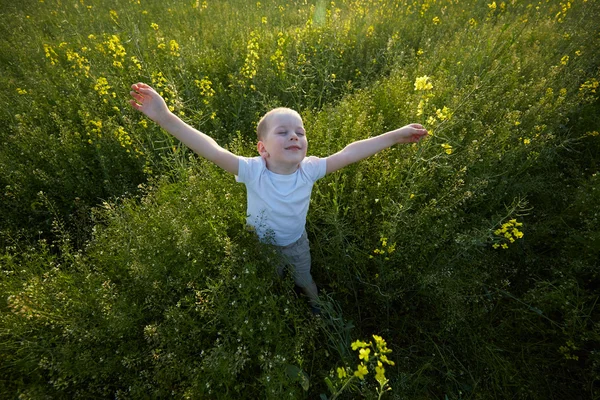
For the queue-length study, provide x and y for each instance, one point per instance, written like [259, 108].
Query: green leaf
[329, 385]
[297, 375]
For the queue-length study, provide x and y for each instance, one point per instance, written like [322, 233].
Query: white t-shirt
[278, 204]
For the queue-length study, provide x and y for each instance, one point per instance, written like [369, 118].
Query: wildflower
[359, 344]
[50, 54]
[421, 106]
[114, 16]
[590, 85]
[361, 371]
[436, 20]
[422, 83]
[154, 26]
[443, 114]
[174, 47]
[341, 373]
[101, 86]
[136, 62]
[384, 359]
[526, 141]
[363, 354]
[492, 6]
[250, 68]
[379, 341]
[380, 373]
[564, 60]
[447, 148]
[21, 91]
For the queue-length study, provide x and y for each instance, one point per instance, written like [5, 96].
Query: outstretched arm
[148, 101]
[361, 149]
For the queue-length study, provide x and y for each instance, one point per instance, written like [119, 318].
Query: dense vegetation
[126, 271]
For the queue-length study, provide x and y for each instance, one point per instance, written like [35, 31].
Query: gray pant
[296, 257]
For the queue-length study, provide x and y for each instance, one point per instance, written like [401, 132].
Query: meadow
[462, 267]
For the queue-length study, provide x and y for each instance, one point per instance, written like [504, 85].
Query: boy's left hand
[411, 133]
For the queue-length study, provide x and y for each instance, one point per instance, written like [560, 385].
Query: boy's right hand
[148, 101]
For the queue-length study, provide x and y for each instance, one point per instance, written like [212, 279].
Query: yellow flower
[154, 26]
[436, 20]
[443, 114]
[380, 373]
[363, 354]
[422, 83]
[101, 86]
[386, 360]
[358, 344]
[174, 47]
[21, 91]
[341, 373]
[504, 246]
[492, 6]
[361, 371]
[564, 60]
[447, 147]
[379, 341]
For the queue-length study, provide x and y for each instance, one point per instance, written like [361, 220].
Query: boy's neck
[282, 169]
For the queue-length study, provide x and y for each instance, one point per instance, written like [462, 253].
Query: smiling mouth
[293, 148]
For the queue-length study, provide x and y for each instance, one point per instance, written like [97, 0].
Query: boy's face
[284, 145]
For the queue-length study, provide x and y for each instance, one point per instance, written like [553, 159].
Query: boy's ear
[262, 150]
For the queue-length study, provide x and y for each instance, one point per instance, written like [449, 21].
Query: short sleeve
[314, 167]
[249, 168]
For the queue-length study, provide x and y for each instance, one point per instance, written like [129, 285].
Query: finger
[135, 105]
[145, 90]
[140, 86]
[138, 97]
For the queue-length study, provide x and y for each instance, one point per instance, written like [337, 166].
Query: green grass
[126, 270]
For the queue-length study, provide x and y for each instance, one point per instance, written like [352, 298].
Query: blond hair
[263, 125]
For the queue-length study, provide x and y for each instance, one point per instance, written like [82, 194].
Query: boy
[279, 181]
